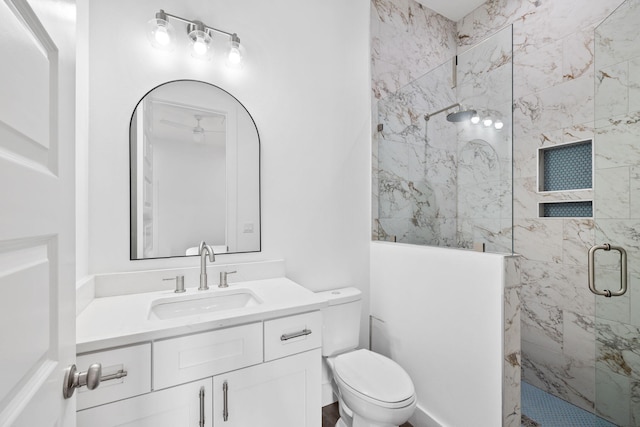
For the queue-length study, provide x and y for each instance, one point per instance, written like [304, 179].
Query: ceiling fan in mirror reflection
[198, 131]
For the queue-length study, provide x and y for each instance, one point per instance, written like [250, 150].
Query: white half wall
[443, 323]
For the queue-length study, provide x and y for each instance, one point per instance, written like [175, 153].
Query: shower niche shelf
[566, 209]
[565, 167]
[565, 173]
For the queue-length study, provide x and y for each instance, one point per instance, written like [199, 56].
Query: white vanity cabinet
[281, 393]
[264, 374]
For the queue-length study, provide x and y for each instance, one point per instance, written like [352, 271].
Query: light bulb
[198, 135]
[498, 124]
[162, 36]
[160, 32]
[199, 46]
[475, 119]
[487, 122]
[234, 56]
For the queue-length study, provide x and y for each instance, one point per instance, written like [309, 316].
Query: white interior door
[37, 238]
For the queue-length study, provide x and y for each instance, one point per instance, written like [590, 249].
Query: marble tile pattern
[512, 363]
[416, 163]
[484, 189]
[407, 41]
[575, 77]
[412, 48]
[570, 69]
[617, 158]
[442, 183]
[436, 182]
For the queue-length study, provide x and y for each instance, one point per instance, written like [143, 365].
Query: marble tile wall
[512, 363]
[407, 41]
[555, 102]
[418, 164]
[617, 158]
[436, 182]
[484, 153]
[412, 47]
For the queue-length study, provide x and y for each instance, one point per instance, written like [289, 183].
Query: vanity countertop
[124, 319]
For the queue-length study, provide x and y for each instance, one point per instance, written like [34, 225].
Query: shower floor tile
[540, 408]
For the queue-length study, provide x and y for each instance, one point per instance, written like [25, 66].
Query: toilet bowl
[376, 389]
[372, 390]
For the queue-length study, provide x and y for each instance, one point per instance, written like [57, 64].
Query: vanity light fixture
[487, 122]
[161, 34]
[498, 124]
[475, 119]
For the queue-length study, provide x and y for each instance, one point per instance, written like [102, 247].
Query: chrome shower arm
[428, 115]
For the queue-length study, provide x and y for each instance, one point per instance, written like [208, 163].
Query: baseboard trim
[421, 418]
[327, 395]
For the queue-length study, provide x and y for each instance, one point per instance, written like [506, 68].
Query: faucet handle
[179, 283]
[223, 278]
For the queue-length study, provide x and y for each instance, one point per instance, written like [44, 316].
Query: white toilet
[372, 390]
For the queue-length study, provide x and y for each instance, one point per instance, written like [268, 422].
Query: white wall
[306, 84]
[442, 313]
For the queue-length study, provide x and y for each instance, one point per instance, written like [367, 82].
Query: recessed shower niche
[443, 172]
[565, 171]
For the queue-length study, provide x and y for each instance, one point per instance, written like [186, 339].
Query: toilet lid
[374, 376]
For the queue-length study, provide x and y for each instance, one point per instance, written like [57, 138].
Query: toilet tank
[341, 320]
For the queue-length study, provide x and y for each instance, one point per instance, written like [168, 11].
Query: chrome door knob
[74, 379]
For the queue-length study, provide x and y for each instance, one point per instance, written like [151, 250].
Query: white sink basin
[180, 306]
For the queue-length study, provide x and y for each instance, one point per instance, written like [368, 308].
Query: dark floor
[330, 416]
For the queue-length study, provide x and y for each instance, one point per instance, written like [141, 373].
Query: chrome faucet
[203, 250]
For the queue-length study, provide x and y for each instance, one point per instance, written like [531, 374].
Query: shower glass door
[617, 214]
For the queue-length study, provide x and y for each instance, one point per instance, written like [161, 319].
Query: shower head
[461, 116]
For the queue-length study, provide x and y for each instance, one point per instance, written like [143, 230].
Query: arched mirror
[194, 172]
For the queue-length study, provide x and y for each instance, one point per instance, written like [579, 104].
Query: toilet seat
[375, 379]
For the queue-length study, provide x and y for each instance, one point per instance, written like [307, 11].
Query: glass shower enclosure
[444, 154]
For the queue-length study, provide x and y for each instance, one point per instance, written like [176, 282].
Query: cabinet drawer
[136, 360]
[192, 357]
[291, 335]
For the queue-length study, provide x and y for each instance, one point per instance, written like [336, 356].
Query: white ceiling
[452, 9]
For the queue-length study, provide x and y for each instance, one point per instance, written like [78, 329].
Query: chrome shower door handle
[623, 270]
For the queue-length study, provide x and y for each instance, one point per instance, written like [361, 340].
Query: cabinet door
[281, 393]
[178, 406]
